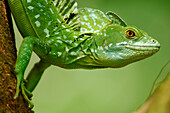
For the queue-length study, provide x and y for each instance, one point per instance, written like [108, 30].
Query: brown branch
[7, 61]
[159, 102]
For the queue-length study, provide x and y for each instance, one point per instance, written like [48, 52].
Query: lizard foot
[26, 93]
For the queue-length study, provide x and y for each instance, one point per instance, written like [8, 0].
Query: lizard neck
[84, 55]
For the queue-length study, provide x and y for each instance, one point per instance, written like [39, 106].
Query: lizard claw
[18, 85]
[27, 95]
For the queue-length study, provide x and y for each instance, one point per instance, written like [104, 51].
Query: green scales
[68, 37]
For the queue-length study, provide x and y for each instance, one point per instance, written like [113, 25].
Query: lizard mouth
[143, 47]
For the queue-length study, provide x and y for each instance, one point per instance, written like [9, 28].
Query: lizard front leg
[29, 43]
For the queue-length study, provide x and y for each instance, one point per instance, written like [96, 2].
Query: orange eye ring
[130, 33]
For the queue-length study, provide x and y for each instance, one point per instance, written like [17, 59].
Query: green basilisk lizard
[68, 37]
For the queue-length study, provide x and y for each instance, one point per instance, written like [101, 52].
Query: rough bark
[7, 61]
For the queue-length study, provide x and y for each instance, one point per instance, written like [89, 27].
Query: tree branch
[159, 101]
[7, 62]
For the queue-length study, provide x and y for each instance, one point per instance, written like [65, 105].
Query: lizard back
[45, 18]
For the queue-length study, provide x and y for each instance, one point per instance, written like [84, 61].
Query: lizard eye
[130, 33]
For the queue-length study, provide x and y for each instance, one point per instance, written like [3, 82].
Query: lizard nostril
[153, 41]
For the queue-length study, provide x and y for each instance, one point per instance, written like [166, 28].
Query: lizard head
[117, 46]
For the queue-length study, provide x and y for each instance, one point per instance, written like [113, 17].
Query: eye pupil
[130, 33]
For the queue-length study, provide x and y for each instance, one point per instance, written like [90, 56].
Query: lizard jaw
[143, 47]
[140, 52]
[140, 46]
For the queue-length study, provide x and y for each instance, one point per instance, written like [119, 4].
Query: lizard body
[62, 35]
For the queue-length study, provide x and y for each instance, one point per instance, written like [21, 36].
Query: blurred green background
[107, 90]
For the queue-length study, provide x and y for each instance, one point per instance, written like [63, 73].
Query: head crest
[116, 19]
[93, 20]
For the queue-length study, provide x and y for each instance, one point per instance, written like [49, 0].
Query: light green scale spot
[37, 23]
[59, 54]
[30, 7]
[28, 1]
[37, 16]
[59, 41]
[47, 32]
